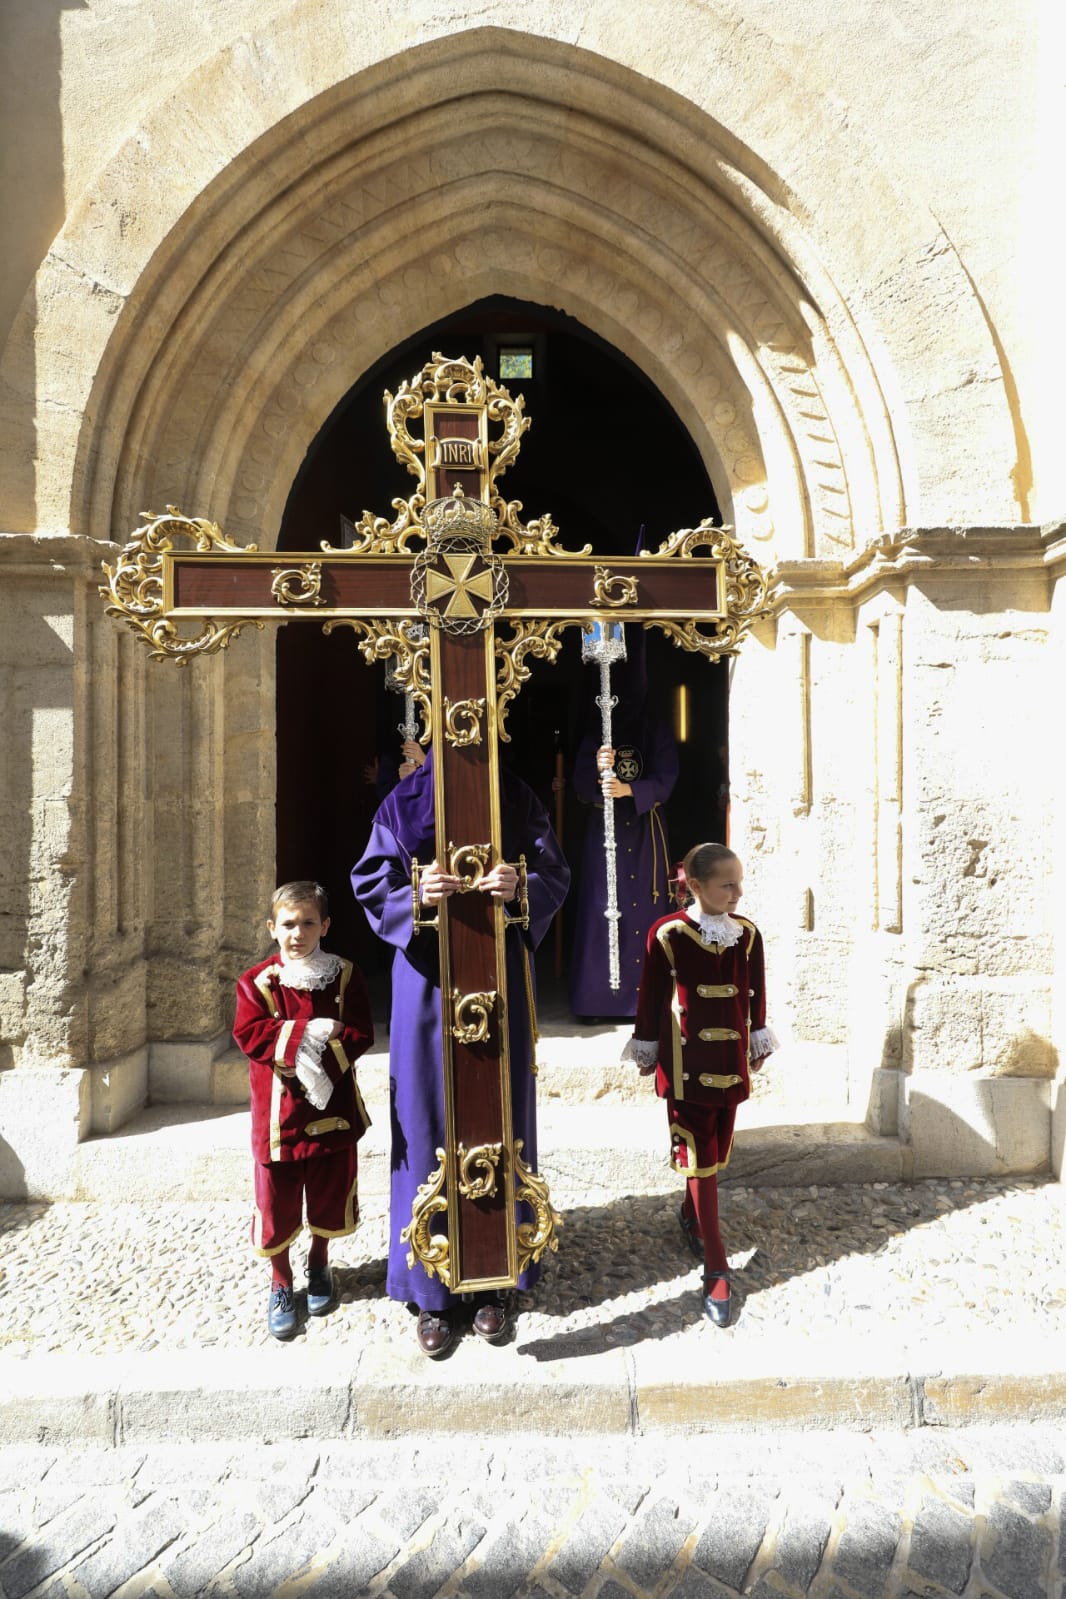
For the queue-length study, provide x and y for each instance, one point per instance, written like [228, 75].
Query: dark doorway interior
[607, 456]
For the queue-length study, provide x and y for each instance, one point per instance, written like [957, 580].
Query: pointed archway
[610, 459]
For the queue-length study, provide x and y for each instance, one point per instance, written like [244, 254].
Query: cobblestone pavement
[875, 1262]
[977, 1514]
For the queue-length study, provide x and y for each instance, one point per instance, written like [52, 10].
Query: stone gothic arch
[214, 295]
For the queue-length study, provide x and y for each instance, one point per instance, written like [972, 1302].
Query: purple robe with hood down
[404, 828]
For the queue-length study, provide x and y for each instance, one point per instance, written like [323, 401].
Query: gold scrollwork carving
[748, 595]
[462, 722]
[535, 1236]
[535, 538]
[376, 535]
[482, 1160]
[468, 863]
[429, 1250]
[298, 585]
[134, 586]
[471, 1014]
[605, 580]
[397, 640]
[541, 641]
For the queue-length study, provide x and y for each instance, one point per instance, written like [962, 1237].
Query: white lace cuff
[642, 1051]
[316, 1085]
[763, 1042]
[309, 1072]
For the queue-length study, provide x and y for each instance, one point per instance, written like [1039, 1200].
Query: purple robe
[403, 828]
[643, 865]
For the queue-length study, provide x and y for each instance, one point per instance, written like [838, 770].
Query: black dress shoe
[281, 1311]
[492, 1320]
[434, 1333]
[716, 1310]
[691, 1236]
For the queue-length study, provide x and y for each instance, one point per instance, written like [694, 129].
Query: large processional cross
[461, 596]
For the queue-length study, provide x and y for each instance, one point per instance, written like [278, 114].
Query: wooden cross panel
[350, 585]
[472, 932]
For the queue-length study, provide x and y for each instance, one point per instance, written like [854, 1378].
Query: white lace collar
[721, 929]
[316, 970]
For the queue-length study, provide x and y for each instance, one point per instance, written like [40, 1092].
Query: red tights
[701, 1203]
[281, 1266]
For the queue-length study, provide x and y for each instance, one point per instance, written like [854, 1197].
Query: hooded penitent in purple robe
[646, 758]
[404, 828]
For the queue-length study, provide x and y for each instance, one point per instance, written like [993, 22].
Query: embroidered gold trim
[276, 1090]
[262, 982]
[328, 1124]
[351, 1216]
[694, 1171]
[360, 1107]
[712, 1080]
[345, 975]
[677, 1042]
[283, 1042]
[266, 1254]
[683, 925]
[716, 990]
[718, 1035]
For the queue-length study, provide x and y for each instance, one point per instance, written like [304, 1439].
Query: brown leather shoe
[434, 1333]
[492, 1320]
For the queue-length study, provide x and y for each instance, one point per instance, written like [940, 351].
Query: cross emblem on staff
[496, 593]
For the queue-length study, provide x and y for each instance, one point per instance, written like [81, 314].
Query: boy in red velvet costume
[303, 1019]
[701, 1028]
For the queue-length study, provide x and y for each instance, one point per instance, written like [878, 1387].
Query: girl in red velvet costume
[701, 1028]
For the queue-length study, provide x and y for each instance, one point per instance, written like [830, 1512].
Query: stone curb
[284, 1393]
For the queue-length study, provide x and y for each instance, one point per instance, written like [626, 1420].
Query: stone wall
[231, 218]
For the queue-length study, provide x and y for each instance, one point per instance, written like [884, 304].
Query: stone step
[183, 1152]
[392, 1392]
[577, 1065]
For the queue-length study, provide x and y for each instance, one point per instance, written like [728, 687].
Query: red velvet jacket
[701, 1002]
[269, 1025]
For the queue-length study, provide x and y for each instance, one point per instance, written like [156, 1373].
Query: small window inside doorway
[516, 362]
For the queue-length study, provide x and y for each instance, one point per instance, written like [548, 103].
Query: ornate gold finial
[748, 593]
[134, 586]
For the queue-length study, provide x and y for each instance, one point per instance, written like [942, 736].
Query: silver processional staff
[604, 643]
[416, 632]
